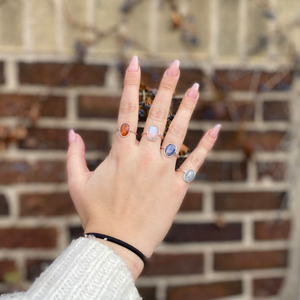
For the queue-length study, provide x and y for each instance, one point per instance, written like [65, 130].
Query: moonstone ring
[153, 133]
[189, 175]
[170, 150]
[125, 129]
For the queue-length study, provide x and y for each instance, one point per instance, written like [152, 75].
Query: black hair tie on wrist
[119, 242]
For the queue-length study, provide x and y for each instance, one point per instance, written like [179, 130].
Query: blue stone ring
[170, 150]
[188, 176]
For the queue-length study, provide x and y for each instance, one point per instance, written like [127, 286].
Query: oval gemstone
[125, 128]
[170, 150]
[189, 175]
[152, 133]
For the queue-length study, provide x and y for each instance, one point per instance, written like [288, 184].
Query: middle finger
[160, 107]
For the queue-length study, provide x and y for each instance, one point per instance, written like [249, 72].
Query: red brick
[56, 204]
[62, 74]
[151, 76]
[36, 266]
[272, 230]
[275, 170]
[6, 266]
[192, 201]
[267, 287]
[242, 79]
[2, 80]
[249, 260]
[28, 237]
[247, 201]
[206, 232]
[98, 106]
[147, 293]
[205, 291]
[174, 264]
[276, 111]
[12, 172]
[50, 138]
[222, 171]
[19, 105]
[4, 210]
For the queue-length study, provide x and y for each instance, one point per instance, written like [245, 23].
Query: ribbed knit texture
[86, 270]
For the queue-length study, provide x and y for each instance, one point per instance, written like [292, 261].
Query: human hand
[135, 193]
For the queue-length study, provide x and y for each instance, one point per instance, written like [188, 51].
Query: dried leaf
[34, 112]
[18, 133]
[184, 150]
[220, 221]
[4, 132]
[176, 19]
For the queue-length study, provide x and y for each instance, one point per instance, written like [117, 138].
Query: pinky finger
[197, 157]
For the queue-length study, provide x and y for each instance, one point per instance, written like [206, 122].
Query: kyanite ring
[170, 150]
[125, 129]
[189, 175]
[153, 133]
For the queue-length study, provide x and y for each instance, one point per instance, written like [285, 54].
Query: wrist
[133, 262]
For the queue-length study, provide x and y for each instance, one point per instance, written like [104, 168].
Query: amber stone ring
[125, 129]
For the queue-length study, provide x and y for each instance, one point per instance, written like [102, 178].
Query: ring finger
[177, 130]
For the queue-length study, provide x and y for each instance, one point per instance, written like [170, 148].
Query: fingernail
[174, 68]
[214, 132]
[193, 91]
[133, 66]
[72, 136]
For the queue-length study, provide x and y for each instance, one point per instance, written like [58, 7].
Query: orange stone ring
[125, 129]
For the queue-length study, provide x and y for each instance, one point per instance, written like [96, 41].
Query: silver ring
[170, 150]
[153, 133]
[189, 175]
[126, 128]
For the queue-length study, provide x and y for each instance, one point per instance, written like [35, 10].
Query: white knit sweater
[86, 270]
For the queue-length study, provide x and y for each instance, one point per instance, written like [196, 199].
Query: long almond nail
[174, 68]
[72, 136]
[193, 91]
[214, 132]
[133, 66]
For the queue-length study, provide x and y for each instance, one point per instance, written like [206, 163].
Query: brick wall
[236, 234]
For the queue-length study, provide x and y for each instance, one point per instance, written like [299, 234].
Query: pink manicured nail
[193, 91]
[214, 132]
[133, 66]
[174, 68]
[72, 136]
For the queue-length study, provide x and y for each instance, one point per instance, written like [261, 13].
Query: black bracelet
[119, 242]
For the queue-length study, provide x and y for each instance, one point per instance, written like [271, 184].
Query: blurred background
[62, 64]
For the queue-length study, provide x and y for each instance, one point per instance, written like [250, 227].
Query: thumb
[76, 164]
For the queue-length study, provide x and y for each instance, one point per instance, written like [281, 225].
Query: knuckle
[186, 107]
[195, 161]
[167, 86]
[206, 145]
[177, 130]
[157, 113]
[127, 108]
[131, 81]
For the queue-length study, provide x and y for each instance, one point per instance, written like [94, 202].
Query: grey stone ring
[153, 133]
[170, 150]
[189, 175]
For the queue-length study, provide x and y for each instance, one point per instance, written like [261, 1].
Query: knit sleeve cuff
[87, 269]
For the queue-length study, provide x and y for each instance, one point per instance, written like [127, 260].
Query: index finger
[129, 105]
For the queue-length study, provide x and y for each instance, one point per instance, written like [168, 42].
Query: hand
[135, 193]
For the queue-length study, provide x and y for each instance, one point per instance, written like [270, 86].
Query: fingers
[179, 125]
[160, 107]
[197, 157]
[129, 105]
[76, 164]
